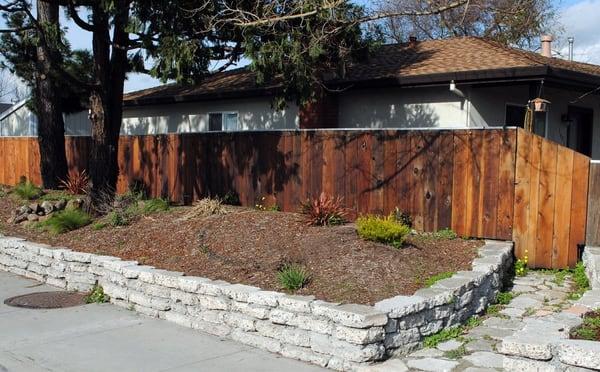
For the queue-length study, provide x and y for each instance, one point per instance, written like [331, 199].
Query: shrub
[204, 208]
[231, 198]
[27, 190]
[324, 211]
[436, 278]
[66, 220]
[96, 296]
[382, 229]
[155, 205]
[76, 183]
[120, 217]
[292, 277]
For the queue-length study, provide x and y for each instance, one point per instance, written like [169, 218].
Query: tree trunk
[51, 129]
[106, 101]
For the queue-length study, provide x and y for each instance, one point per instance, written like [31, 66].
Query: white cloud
[581, 20]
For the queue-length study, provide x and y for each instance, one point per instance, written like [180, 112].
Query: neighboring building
[4, 107]
[402, 86]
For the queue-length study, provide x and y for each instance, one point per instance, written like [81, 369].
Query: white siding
[255, 113]
[402, 108]
[20, 122]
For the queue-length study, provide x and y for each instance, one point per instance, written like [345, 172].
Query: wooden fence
[492, 183]
[593, 220]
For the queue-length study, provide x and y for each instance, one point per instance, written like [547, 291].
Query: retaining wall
[337, 336]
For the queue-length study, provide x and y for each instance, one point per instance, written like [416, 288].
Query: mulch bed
[249, 246]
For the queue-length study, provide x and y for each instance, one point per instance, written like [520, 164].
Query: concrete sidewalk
[108, 338]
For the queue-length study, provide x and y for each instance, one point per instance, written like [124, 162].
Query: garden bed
[249, 246]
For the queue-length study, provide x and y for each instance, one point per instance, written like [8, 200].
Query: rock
[485, 359]
[479, 345]
[60, 205]
[23, 210]
[449, 345]
[392, 365]
[32, 218]
[579, 353]
[47, 207]
[431, 364]
[33, 208]
[20, 218]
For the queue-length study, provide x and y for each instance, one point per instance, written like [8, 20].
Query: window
[515, 117]
[222, 121]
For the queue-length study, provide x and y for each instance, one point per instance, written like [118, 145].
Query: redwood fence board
[494, 183]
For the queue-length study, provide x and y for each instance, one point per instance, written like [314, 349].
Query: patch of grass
[96, 296]
[442, 336]
[445, 234]
[56, 195]
[504, 298]
[590, 328]
[474, 321]
[155, 205]
[293, 277]
[26, 190]
[382, 229]
[436, 278]
[456, 353]
[494, 310]
[580, 281]
[64, 221]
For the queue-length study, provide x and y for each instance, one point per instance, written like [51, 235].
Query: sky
[579, 18]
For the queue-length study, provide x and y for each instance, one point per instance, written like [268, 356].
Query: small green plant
[445, 234]
[474, 321]
[403, 217]
[118, 218]
[231, 198]
[456, 353]
[99, 226]
[64, 221]
[324, 211]
[96, 296]
[436, 278]
[261, 206]
[442, 336]
[293, 277]
[382, 229]
[590, 328]
[155, 205]
[580, 281]
[56, 195]
[26, 190]
[521, 265]
[504, 298]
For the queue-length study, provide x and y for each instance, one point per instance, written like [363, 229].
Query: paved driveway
[108, 338]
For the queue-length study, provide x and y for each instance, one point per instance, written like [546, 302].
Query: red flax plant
[326, 210]
[76, 183]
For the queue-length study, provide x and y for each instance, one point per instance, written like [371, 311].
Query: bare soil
[249, 246]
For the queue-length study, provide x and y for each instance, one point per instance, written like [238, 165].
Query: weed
[521, 265]
[504, 298]
[293, 277]
[590, 328]
[66, 220]
[474, 321]
[403, 217]
[204, 208]
[155, 205]
[382, 229]
[266, 207]
[324, 211]
[456, 353]
[436, 278]
[529, 312]
[96, 296]
[580, 281]
[26, 190]
[76, 183]
[494, 310]
[56, 195]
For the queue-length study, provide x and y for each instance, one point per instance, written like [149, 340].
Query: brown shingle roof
[465, 58]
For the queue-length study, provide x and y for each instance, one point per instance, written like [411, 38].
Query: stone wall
[337, 336]
[591, 261]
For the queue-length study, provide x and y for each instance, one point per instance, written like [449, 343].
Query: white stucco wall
[254, 113]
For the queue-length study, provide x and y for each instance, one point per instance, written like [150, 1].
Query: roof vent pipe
[546, 45]
[571, 40]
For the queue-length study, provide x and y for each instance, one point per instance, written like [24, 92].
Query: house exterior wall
[253, 114]
[19, 123]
